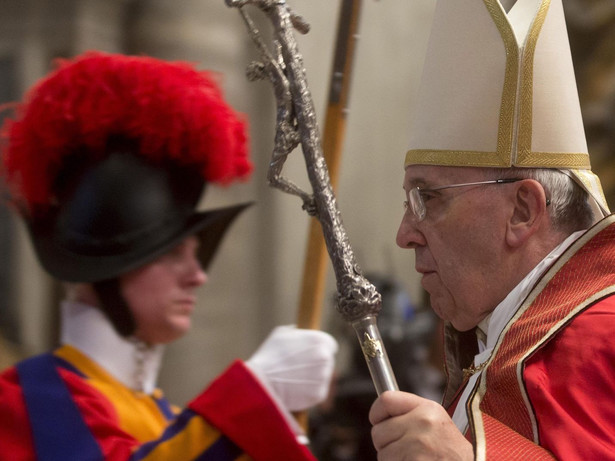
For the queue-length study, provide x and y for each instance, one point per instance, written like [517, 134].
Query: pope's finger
[392, 403]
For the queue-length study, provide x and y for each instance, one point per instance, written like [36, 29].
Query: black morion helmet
[108, 157]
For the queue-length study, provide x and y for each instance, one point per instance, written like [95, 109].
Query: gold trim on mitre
[511, 81]
[525, 156]
[456, 158]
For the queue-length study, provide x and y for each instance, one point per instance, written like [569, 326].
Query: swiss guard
[106, 161]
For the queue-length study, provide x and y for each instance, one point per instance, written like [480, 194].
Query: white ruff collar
[129, 360]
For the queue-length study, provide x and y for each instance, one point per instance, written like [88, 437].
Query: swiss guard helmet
[106, 161]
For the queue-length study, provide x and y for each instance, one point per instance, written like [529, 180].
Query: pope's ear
[529, 210]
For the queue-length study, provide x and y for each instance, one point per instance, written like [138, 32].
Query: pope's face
[161, 294]
[459, 244]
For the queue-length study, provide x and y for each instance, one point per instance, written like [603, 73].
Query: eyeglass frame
[416, 203]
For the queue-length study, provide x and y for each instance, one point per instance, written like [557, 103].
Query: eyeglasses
[416, 201]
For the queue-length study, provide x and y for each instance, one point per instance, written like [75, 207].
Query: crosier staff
[357, 299]
[315, 266]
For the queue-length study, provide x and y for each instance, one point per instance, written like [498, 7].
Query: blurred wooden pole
[316, 260]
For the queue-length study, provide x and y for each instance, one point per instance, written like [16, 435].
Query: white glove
[296, 365]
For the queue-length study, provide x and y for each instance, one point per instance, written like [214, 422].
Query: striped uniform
[63, 406]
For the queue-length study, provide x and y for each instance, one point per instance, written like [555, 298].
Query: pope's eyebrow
[414, 182]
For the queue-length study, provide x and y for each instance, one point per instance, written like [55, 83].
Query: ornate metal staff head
[358, 300]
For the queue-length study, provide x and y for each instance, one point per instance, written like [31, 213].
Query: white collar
[129, 360]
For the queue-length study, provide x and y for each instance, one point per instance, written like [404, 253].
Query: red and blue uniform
[64, 406]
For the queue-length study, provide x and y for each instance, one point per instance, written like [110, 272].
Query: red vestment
[547, 391]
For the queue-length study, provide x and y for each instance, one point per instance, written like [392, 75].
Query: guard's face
[459, 244]
[161, 294]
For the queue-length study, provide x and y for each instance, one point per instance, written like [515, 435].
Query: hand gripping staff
[357, 299]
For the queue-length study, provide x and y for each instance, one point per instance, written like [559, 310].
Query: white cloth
[128, 360]
[296, 364]
[497, 320]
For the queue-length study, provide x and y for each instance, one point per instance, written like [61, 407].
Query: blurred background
[256, 280]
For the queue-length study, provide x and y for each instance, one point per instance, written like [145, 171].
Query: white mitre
[499, 90]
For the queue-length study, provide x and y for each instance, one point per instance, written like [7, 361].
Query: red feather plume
[175, 111]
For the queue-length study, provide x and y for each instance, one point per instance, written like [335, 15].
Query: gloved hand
[296, 365]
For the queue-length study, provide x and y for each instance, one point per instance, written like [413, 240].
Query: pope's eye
[426, 195]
